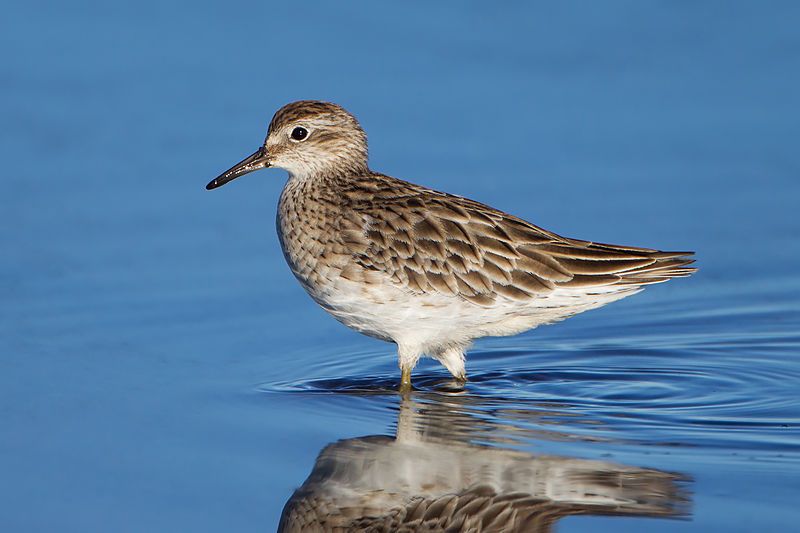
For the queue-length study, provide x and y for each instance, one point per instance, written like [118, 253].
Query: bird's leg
[405, 379]
[407, 358]
[453, 360]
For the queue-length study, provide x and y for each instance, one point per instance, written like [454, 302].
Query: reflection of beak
[257, 161]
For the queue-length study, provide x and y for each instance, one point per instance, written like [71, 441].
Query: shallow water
[162, 370]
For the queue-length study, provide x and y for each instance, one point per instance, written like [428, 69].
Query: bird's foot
[405, 380]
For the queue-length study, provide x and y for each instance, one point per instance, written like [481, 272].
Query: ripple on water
[698, 395]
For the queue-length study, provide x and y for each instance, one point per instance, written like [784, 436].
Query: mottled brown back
[432, 242]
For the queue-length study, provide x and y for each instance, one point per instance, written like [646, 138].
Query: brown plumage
[427, 270]
[432, 477]
[478, 509]
[429, 241]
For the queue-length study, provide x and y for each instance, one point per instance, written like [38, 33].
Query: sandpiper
[427, 270]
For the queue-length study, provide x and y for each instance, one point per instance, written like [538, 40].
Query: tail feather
[597, 265]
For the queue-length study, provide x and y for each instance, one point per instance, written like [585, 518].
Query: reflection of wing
[433, 242]
[477, 509]
[381, 484]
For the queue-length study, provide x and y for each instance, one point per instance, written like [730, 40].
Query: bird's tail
[596, 264]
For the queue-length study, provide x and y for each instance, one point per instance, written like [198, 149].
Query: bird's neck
[331, 174]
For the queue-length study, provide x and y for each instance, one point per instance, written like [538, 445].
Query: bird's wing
[482, 507]
[432, 242]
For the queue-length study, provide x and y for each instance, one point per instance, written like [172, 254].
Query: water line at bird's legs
[405, 379]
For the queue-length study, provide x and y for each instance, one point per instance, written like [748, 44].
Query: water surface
[161, 370]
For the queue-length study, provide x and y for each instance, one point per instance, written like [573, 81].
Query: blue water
[161, 370]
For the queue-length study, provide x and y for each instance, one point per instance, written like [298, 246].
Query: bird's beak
[253, 162]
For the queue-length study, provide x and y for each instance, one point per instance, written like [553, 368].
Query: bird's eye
[299, 133]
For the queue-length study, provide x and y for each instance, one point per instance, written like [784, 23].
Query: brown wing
[483, 508]
[432, 242]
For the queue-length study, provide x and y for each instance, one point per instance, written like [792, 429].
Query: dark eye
[298, 134]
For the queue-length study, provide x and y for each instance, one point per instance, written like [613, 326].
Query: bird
[426, 270]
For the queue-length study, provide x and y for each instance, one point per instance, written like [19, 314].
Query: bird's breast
[309, 233]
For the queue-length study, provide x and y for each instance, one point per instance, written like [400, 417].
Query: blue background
[155, 349]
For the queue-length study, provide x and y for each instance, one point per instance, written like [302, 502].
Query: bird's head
[307, 138]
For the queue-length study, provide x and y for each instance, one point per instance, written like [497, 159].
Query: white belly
[432, 322]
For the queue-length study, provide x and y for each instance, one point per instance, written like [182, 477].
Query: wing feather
[431, 242]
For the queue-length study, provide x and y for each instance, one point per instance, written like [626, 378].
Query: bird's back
[385, 256]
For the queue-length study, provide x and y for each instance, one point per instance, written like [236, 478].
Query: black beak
[253, 162]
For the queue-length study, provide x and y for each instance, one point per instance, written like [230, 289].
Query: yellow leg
[405, 379]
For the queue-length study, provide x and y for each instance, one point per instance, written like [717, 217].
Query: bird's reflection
[438, 474]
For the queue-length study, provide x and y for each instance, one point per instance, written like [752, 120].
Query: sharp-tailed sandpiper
[427, 270]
